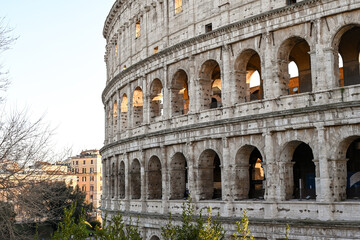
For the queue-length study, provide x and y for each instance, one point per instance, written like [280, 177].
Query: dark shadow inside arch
[135, 180]
[349, 49]
[257, 175]
[303, 173]
[122, 180]
[209, 178]
[353, 170]
[180, 93]
[154, 178]
[178, 177]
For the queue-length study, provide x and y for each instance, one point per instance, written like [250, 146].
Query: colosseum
[242, 104]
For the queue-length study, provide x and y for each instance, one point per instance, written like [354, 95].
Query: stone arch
[247, 65]
[121, 180]
[346, 42]
[154, 238]
[210, 85]
[113, 179]
[138, 106]
[124, 112]
[135, 179]
[156, 99]
[180, 93]
[115, 116]
[209, 176]
[347, 167]
[178, 177]
[299, 170]
[154, 178]
[250, 175]
[294, 49]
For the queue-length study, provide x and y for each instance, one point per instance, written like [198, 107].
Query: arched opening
[115, 119]
[353, 170]
[349, 48]
[154, 238]
[113, 176]
[248, 76]
[135, 180]
[303, 173]
[154, 178]
[341, 70]
[295, 50]
[138, 106]
[156, 99]
[124, 112]
[178, 177]
[299, 171]
[180, 93]
[210, 85]
[250, 175]
[209, 178]
[122, 180]
[294, 78]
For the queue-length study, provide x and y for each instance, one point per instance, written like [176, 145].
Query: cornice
[261, 116]
[203, 37]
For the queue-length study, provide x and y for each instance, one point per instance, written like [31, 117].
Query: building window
[76, 170]
[77, 178]
[91, 188]
[156, 50]
[289, 2]
[84, 162]
[84, 179]
[178, 6]
[91, 170]
[72, 170]
[84, 170]
[77, 162]
[124, 67]
[116, 49]
[208, 27]
[138, 29]
[83, 188]
[91, 197]
[92, 161]
[92, 178]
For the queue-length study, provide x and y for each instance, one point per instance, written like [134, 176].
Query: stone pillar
[130, 118]
[146, 100]
[143, 173]
[127, 181]
[193, 86]
[338, 170]
[325, 194]
[271, 83]
[104, 184]
[226, 171]
[165, 181]
[274, 182]
[331, 75]
[226, 83]
[240, 89]
[167, 94]
[192, 170]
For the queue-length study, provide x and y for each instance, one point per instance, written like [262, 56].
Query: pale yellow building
[88, 169]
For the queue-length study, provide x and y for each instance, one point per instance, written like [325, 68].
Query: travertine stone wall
[173, 128]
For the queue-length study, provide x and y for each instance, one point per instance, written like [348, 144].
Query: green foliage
[117, 230]
[242, 229]
[191, 227]
[213, 229]
[287, 232]
[69, 229]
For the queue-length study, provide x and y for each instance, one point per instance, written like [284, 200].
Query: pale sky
[57, 66]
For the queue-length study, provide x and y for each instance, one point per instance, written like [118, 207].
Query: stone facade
[184, 114]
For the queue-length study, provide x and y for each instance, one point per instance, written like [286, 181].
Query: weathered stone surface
[187, 119]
